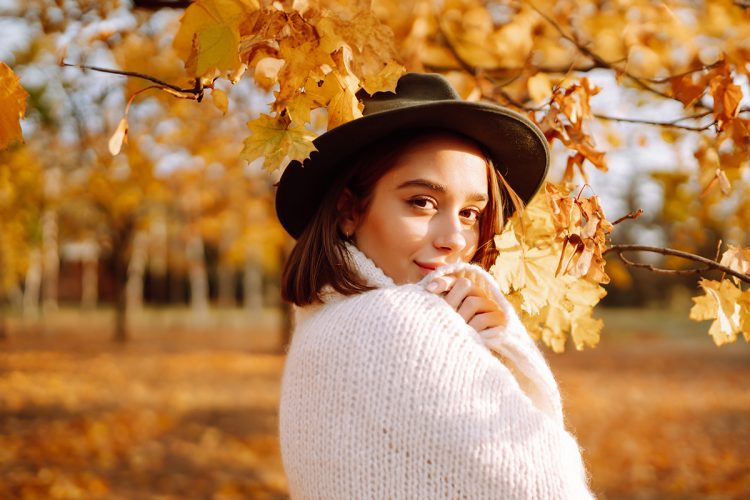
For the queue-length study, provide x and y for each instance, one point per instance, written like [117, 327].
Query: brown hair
[320, 258]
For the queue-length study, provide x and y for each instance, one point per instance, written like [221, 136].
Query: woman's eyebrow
[440, 188]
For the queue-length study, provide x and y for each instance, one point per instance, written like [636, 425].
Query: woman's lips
[427, 267]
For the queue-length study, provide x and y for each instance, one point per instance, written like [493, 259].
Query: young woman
[409, 374]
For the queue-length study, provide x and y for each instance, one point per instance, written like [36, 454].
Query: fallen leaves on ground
[194, 415]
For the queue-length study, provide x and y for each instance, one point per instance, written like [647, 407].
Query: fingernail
[432, 287]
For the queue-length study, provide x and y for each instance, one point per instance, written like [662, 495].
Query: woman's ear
[348, 210]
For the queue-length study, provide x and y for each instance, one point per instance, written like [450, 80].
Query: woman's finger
[441, 284]
[458, 292]
[485, 321]
[474, 304]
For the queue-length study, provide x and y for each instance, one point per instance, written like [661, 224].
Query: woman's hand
[479, 310]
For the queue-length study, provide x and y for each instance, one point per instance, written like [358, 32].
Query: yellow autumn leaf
[720, 303]
[553, 308]
[528, 271]
[585, 331]
[737, 259]
[540, 87]
[298, 108]
[274, 140]
[12, 106]
[267, 72]
[220, 100]
[744, 303]
[343, 107]
[208, 37]
[385, 80]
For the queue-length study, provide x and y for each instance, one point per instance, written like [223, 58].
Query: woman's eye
[470, 216]
[424, 203]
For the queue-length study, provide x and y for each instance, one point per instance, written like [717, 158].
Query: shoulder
[394, 306]
[397, 317]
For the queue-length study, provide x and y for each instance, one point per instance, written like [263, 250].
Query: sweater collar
[373, 275]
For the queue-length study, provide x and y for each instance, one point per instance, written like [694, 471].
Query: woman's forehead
[443, 159]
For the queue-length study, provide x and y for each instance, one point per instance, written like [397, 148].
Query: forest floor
[187, 409]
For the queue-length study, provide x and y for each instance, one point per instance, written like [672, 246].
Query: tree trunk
[119, 268]
[198, 277]
[3, 327]
[136, 271]
[120, 273]
[226, 278]
[158, 258]
[51, 261]
[32, 285]
[252, 285]
[90, 277]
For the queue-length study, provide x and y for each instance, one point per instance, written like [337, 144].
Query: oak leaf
[12, 106]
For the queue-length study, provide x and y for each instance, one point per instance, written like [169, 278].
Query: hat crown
[412, 89]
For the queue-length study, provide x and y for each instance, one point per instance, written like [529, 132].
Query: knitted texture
[390, 394]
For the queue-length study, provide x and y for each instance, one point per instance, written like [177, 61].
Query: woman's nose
[449, 235]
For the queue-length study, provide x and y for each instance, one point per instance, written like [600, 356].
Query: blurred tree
[689, 60]
[678, 68]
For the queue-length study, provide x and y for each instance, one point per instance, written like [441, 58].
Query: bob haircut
[319, 258]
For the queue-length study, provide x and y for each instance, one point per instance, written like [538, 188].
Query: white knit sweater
[390, 394]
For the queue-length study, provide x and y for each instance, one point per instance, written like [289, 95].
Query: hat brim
[516, 146]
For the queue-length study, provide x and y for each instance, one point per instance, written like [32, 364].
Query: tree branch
[195, 93]
[711, 265]
[672, 124]
[632, 215]
[597, 59]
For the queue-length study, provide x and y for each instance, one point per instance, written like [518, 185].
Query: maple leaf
[725, 93]
[737, 259]
[267, 72]
[553, 307]
[727, 305]
[12, 106]
[686, 91]
[384, 80]
[274, 140]
[208, 37]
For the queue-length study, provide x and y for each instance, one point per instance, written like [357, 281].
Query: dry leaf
[724, 303]
[220, 100]
[12, 106]
[120, 136]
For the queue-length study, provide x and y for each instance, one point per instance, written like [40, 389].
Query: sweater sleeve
[512, 343]
[390, 394]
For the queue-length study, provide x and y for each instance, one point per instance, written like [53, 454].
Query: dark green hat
[516, 146]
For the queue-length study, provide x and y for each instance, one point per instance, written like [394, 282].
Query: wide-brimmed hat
[516, 146]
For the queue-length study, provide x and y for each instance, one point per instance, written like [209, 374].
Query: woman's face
[424, 212]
